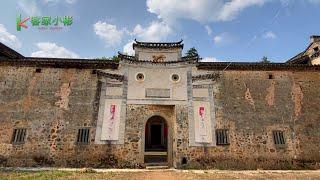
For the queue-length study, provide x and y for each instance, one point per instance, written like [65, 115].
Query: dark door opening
[156, 140]
[156, 135]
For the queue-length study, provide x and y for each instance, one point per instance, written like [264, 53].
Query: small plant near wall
[265, 60]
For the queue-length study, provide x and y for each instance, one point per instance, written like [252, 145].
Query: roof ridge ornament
[176, 44]
[125, 56]
[148, 42]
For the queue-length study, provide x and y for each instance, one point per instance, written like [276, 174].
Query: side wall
[251, 106]
[51, 105]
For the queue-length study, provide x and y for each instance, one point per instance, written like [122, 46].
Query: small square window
[222, 137]
[278, 138]
[38, 70]
[271, 76]
[18, 136]
[83, 136]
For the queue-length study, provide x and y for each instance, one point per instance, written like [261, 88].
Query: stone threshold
[35, 169]
[155, 153]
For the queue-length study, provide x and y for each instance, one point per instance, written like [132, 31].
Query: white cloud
[209, 30]
[71, 1]
[223, 38]
[285, 3]
[170, 10]
[56, 1]
[210, 59]
[49, 49]
[29, 7]
[128, 49]
[156, 31]
[8, 38]
[109, 33]
[232, 9]
[200, 10]
[218, 39]
[269, 35]
[315, 1]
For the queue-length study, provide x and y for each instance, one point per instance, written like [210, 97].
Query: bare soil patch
[162, 175]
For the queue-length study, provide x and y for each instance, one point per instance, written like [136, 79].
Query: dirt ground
[161, 175]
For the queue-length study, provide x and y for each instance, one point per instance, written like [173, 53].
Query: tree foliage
[265, 60]
[192, 52]
[103, 58]
[113, 58]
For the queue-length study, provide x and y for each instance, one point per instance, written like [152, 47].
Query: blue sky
[232, 30]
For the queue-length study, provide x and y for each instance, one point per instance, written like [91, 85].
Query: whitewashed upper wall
[157, 77]
[316, 61]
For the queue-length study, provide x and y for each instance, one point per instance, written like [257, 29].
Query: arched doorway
[156, 140]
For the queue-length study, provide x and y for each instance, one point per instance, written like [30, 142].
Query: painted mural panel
[111, 120]
[202, 119]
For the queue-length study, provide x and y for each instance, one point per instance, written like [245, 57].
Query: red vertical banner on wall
[202, 123]
[201, 112]
[202, 120]
[112, 111]
[111, 122]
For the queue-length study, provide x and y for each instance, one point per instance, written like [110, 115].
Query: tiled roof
[9, 57]
[124, 56]
[134, 59]
[300, 58]
[158, 45]
[6, 52]
[304, 57]
[111, 76]
[61, 63]
[12, 58]
[188, 58]
[255, 66]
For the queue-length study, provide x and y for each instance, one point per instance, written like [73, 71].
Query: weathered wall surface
[53, 104]
[316, 61]
[251, 106]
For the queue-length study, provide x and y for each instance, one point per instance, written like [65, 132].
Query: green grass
[45, 175]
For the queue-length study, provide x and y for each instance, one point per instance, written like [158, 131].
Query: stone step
[157, 167]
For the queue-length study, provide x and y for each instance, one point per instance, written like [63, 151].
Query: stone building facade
[159, 107]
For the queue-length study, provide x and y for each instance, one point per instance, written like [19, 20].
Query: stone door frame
[170, 126]
[163, 124]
